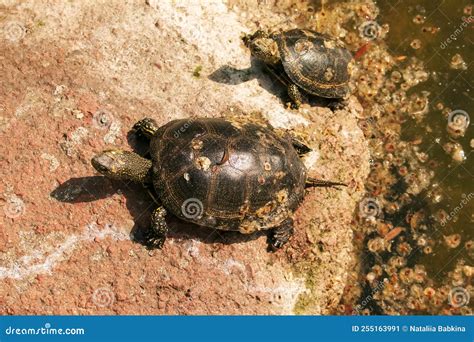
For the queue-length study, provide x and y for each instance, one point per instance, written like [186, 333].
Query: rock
[166, 60]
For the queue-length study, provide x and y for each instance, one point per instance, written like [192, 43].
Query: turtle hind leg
[313, 182]
[156, 236]
[295, 95]
[337, 104]
[280, 235]
[146, 127]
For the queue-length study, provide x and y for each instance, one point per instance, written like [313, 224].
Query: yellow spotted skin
[146, 127]
[241, 177]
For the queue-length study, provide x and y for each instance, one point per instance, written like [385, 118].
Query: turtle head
[263, 47]
[123, 165]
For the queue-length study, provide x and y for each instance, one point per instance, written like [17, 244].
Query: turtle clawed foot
[293, 105]
[280, 235]
[296, 96]
[337, 105]
[276, 245]
[156, 236]
[153, 240]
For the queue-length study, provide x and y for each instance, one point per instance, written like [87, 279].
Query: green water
[453, 89]
[433, 32]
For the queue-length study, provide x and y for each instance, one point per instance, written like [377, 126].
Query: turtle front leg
[281, 234]
[295, 95]
[337, 104]
[156, 236]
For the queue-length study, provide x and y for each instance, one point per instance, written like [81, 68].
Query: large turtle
[305, 61]
[216, 173]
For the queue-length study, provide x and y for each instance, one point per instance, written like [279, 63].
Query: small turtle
[216, 173]
[304, 60]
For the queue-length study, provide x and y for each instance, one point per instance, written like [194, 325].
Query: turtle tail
[313, 182]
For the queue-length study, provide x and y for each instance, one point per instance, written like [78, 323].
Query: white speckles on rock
[196, 24]
[59, 91]
[78, 135]
[14, 206]
[281, 118]
[192, 248]
[51, 255]
[78, 114]
[354, 107]
[30, 105]
[113, 132]
[76, 138]
[53, 161]
[283, 290]
[310, 159]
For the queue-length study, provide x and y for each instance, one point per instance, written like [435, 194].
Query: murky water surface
[450, 87]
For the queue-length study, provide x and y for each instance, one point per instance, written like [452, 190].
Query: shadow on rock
[138, 145]
[140, 205]
[233, 76]
[84, 189]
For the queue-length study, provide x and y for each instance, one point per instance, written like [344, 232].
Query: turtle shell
[315, 62]
[226, 175]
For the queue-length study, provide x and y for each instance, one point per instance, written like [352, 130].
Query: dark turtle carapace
[216, 173]
[305, 61]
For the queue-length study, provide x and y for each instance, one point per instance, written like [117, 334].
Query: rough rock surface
[75, 77]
